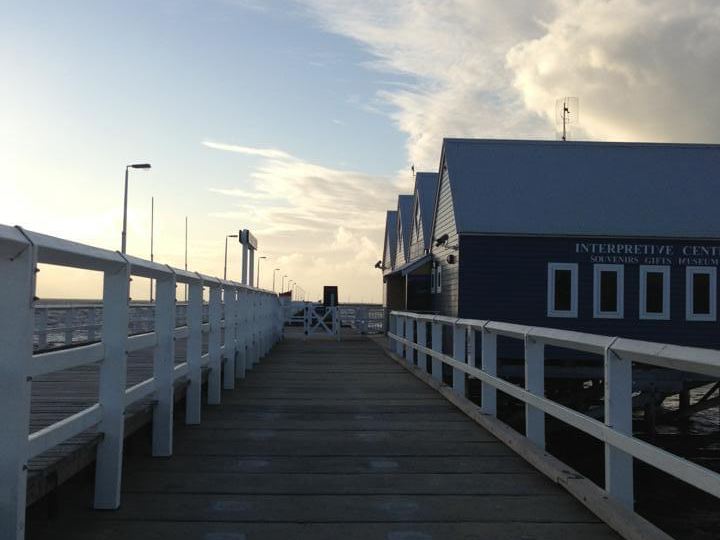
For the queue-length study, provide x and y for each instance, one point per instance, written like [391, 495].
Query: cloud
[482, 68]
[314, 221]
[270, 153]
[642, 70]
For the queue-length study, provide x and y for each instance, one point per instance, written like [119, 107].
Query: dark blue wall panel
[505, 279]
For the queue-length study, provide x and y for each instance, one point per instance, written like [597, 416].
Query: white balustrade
[618, 355]
[247, 316]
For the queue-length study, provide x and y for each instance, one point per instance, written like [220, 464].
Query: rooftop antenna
[567, 113]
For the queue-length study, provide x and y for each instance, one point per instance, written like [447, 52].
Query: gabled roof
[425, 189]
[404, 217]
[584, 188]
[390, 236]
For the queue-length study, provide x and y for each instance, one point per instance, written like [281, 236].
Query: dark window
[608, 291]
[701, 293]
[654, 301]
[563, 290]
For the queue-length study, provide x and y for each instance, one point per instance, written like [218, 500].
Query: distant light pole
[276, 270]
[124, 230]
[152, 239]
[258, 271]
[290, 287]
[186, 285]
[225, 266]
[282, 287]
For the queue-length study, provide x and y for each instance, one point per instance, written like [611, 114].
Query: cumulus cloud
[315, 221]
[482, 68]
[643, 70]
[271, 153]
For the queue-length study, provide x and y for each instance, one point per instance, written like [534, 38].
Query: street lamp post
[274, 271]
[225, 266]
[258, 271]
[282, 286]
[291, 289]
[124, 229]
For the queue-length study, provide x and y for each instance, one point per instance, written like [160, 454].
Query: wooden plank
[122, 530]
[341, 440]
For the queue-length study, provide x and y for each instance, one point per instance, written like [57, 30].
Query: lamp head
[139, 166]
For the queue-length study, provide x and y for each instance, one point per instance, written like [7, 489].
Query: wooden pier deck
[326, 440]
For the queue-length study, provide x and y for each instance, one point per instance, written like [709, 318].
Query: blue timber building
[407, 276]
[607, 238]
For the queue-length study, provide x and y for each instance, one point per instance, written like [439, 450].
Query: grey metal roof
[426, 188]
[391, 233]
[584, 188]
[410, 266]
[405, 206]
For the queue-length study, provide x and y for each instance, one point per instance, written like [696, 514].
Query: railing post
[230, 316]
[421, 330]
[242, 361]
[242, 335]
[68, 322]
[164, 365]
[410, 336]
[436, 343]
[306, 321]
[400, 348]
[488, 398]
[17, 289]
[535, 383]
[618, 415]
[459, 355]
[193, 396]
[251, 330]
[214, 377]
[263, 326]
[391, 330]
[92, 321]
[336, 322]
[42, 327]
[111, 387]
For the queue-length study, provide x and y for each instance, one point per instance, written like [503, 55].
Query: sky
[300, 120]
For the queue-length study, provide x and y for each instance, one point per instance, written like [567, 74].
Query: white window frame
[690, 271]
[432, 279]
[619, 269]
[438, 279]
[665, 271]
[573, 311]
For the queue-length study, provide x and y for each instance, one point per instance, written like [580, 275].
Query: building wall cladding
[506, 279]
[388, 252]
[446, 303]
[417, 244]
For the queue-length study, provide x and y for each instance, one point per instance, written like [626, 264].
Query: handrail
[408, 335]
[251, 324]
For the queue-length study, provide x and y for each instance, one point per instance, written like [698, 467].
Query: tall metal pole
[186, 287]
[152, 239]
[258, 271]
[282, 286]
[225, 265]
[274, 272]
[124, 231]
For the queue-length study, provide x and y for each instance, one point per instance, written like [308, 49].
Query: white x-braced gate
[318, 319]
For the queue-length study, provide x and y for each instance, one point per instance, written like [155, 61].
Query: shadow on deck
[325, 440]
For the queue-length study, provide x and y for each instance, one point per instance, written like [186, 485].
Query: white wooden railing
[73, 323]
[408, 332]
[252, 324]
